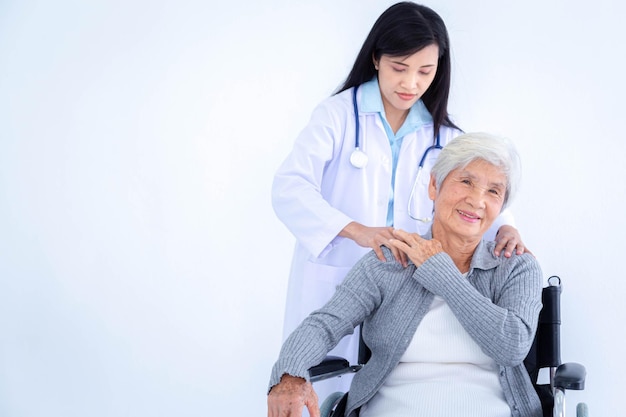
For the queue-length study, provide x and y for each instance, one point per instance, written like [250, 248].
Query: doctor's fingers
[508, 240]
[378, 236]
[401, 247]
[379, 253]
[398, 255]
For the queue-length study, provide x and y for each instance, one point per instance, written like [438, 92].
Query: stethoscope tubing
[356, 119]
[420, 167]
[358, 158]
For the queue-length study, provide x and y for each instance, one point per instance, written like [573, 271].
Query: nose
[410, 80]
[476, 197]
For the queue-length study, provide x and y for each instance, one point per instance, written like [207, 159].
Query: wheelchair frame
[544, 353]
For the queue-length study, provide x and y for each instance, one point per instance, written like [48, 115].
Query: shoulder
[524, 264]
[382, 273]
[371, 261]
[333, 109]
[339, 101]
[520, 271]
[448, 133]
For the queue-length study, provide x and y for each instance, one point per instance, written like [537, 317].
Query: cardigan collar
[483, 257]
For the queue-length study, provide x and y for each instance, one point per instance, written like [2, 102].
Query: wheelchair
[545, 353]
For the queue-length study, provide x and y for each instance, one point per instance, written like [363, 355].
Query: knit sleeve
[358, 296]
[498, 307]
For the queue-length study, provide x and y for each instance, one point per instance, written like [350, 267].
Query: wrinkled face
[469, 199]
[403, 80]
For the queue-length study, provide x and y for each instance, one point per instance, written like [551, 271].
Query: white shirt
[443, 373]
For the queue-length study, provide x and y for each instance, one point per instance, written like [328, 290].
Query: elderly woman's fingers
[312, 405]
[289, 397]
[417, 249]
[403, 259]
[398, 245]
[405, 241]
[408, 238]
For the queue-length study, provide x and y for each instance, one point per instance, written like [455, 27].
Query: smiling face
[403, 80]
[468, 201]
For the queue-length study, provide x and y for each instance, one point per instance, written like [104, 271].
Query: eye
[466, 181]
[398, 69]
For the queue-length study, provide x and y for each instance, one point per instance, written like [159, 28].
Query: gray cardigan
[498, 305]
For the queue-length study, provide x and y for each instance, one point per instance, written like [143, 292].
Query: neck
[395, 117]
[460, 249]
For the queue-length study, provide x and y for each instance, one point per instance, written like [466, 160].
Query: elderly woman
[448, 333]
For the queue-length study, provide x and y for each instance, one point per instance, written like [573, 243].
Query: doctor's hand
[414, 246]
[509, 240]
[289, 396]
[373, 237]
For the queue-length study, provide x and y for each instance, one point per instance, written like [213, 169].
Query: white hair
[469, 147]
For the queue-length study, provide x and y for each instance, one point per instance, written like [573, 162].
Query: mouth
[471, 217]
[406, 96]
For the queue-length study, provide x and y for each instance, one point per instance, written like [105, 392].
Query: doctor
[353, 172]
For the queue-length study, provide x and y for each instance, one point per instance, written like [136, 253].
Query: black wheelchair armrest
[330, 367]
[570, 376]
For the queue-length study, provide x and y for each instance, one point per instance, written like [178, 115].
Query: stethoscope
[359, 159]
[420, 167]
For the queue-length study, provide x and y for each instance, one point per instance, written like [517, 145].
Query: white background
[142, 269]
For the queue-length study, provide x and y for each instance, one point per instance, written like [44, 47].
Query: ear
[375, 62]
[432, 188]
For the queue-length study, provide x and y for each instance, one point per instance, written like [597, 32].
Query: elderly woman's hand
[289, 396]
[509, 240]
[414, 246]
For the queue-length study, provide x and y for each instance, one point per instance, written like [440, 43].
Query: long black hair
[403, 29]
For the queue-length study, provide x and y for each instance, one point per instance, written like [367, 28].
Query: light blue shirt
[372, 102]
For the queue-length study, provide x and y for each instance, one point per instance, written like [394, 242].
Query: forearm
[299, 202]
[310, 342]
[310, 218]
[504, 329]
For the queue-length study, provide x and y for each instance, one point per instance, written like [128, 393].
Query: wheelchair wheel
[582, 410]
[329, 404]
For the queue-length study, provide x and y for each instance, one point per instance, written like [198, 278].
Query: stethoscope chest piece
[358, 158]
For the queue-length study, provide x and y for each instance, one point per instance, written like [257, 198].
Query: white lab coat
[317, 192]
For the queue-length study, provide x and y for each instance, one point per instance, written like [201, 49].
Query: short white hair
[469, 147]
